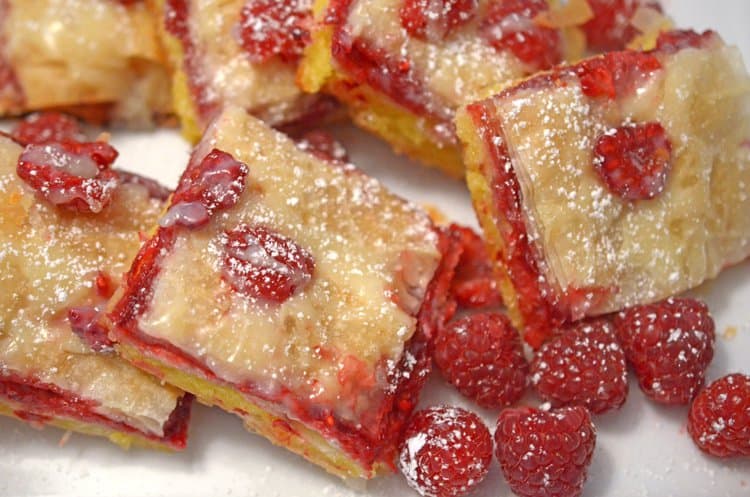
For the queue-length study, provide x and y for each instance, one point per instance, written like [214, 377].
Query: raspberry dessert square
[403, 67]
[99, 59]
[287, 290]
[618, 181]
[63, 249]
[241, 53]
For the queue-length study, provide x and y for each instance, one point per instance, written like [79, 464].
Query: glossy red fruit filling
[719, 419]
[611, 26]
[615, 74]
[474, 285]
[545, 453]
[214, 184]
[674, 41]
[71, 175]
[434, 20]
[88, 323]
[275, 28]
[634, 160]
[584, 365]
[509, 25]
[445, 452]
[670, 345]
[324, 146]
[40, 402]
[47, 127]
[481, 355]
[261, 263]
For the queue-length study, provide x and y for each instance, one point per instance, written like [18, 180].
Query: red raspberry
[509, 25]
[263, 264]
[213, 184]
[545, 453]
[270, 28]
[481, 355]
[615, 74]
[45, 127]
[324, 146]
[584, 365]
[670, 345]
[69, 174]
[610, 28]
[445, 451]
[674, 41]
[434, 20]
[474, 284]
[719, 419]
[88, 323]
[634, 160]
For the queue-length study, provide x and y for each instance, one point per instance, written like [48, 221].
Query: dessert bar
[286, 289]
[238, 53]
[99, 59]
[621, 180]
[69, 228]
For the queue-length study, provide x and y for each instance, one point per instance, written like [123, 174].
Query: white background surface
[642, 450]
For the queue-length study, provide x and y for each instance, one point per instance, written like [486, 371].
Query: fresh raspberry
[545, 453]
[71, 175]
[213, 184]
[615, 74]
[670, 345]
[509, 25]
[324, 146]
[260, 263]
[434, 20]
[445, 451]
[610, 28]
[474, 285]
[271, 28]
[584, 365]
[719, 419]
[481, 355]
[634, 160]
[674, 41]
[46, 127]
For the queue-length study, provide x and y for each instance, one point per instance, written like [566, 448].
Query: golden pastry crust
[53, 260]
[82, 54]
[328, 357]
[592, 251]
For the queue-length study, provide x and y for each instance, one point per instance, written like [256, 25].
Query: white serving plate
[642, 450]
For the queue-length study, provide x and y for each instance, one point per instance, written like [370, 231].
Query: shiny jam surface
[303, 358]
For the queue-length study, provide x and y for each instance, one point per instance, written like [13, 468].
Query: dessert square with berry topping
[61, 258]
[98, 58]
[287, 290]
[240, 53]
[403, 67]
[621, 180]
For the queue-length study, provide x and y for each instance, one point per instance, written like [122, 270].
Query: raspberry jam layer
[42, 403]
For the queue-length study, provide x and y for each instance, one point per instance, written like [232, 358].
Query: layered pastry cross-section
[286, 290]
[100, 59]
[240, 53]
[59, 262]
[621, 180]
[403, 67]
